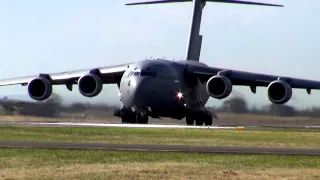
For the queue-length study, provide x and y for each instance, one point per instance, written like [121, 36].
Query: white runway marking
[69, 124]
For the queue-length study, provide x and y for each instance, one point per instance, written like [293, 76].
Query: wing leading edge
[109, 74]
[242, 78]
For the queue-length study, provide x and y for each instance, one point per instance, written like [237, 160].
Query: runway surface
[87, 124]
[76, 124]
[159, 148]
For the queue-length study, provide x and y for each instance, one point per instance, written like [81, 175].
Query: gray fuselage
[155, 84]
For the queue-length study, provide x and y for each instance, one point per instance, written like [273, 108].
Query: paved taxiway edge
[159, 148]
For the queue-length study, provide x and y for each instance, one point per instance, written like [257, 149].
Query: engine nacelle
[40, 89]
[90, 85]
[219, 87]
[279, 92]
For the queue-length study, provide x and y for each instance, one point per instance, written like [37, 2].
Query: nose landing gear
[142, 119]
[127, 116]
[199, 118]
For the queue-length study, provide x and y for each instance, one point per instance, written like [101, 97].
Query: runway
[159, 148]
[83, 124]
[173, 126]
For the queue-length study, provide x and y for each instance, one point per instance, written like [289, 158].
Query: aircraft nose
[140, 90]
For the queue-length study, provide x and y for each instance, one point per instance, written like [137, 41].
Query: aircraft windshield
[136, 73]
[142, 73]
[148, 73]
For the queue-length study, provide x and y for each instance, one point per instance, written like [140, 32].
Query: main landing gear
[199, 118]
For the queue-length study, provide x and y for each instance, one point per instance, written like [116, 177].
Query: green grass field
[271, 138]
[96, 164]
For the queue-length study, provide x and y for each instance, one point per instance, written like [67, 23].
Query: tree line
[239, 105]
[53, 107]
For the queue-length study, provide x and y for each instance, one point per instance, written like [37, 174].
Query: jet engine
[40, 89]
[90, 85]
[219, 87]
[279, 92]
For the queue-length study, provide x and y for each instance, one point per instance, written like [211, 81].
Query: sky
[40, 36]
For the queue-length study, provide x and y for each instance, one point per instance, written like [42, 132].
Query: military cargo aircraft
[165, 88]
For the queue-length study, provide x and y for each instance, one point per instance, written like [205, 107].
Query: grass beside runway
[264, 138]
[96, 164]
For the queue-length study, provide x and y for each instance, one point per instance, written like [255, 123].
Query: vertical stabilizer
[195, 39]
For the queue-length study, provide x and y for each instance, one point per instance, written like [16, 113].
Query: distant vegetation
[53, 107]
[239, 105]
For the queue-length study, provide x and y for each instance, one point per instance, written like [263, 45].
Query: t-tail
[195, 39]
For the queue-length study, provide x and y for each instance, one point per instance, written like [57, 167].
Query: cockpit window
[130, 74]
[136, 73]
[143, 73]
[148, 73]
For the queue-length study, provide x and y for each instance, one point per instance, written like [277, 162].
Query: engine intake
[279, 92]
[40, 89]
[219, 87]
[90, 85]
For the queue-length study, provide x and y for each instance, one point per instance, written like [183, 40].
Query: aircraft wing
[109, 75]
[242, 78]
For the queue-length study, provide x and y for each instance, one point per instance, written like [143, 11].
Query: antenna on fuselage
[195, 39]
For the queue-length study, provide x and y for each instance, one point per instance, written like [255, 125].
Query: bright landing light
[179, 95]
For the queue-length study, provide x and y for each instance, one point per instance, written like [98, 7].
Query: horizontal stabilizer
[158, 2]
[220, 1]
[244, 2]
